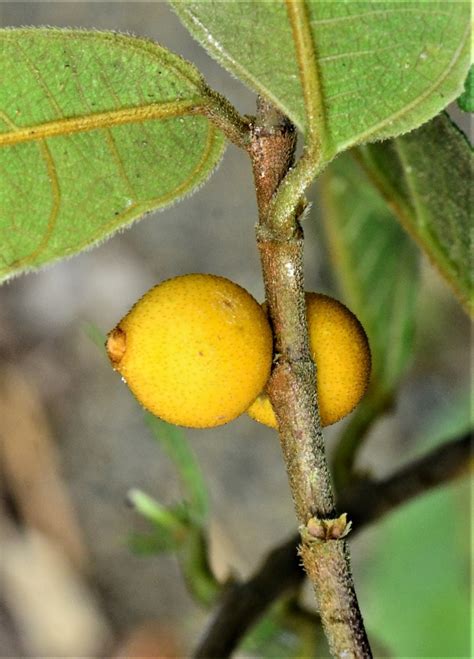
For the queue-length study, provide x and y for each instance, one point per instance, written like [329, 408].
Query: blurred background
[75, 441]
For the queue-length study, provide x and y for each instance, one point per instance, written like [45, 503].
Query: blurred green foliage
[466, 100]
[416, 592]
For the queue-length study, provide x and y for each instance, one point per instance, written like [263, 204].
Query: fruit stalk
[292, 391]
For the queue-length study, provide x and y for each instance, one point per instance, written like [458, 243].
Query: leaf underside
[121, 141]
[377, 266]
[425, 178]
[385, 67]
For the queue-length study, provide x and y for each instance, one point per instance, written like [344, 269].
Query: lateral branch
[365, 501]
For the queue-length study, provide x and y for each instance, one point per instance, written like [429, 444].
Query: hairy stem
[292, 388]
[223, 114]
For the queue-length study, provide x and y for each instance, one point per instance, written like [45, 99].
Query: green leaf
[426, 176]
[152, 543]
[377, 266]
[160, 516]
[466, 100]
[173, 441]
[169, 530]
[384, 68]
[95, 131]
[96, 335]
[416, 595]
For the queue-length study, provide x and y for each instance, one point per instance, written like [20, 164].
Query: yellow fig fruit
[195, 350]
[340, 349]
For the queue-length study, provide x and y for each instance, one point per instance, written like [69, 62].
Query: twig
[280, 189]
[365, 501]
[292, 390]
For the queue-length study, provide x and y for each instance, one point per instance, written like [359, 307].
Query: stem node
[322, 530]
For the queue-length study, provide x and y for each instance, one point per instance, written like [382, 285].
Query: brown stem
[243, 603]
[365, 502]
[292, 390]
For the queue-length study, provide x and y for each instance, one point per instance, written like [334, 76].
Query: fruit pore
[116, 345]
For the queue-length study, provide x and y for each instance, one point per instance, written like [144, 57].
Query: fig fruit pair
[197, 351]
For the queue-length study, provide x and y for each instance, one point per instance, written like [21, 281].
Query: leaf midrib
[94, 121]
[109, 118]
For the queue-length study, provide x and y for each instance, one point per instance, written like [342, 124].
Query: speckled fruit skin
[340, 349]
[195, 350]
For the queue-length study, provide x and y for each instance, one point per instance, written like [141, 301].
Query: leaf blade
[427, 71]
[377, 267]
[96, 132]
[424, 176]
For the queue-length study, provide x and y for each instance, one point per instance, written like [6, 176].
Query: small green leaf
[162, 518]
[173, 441]
[466, 100]
[95, 335]
[153, 543]
[96, 129]
[195, 565]
[377, 266]
[384, 68]
[426, 178]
